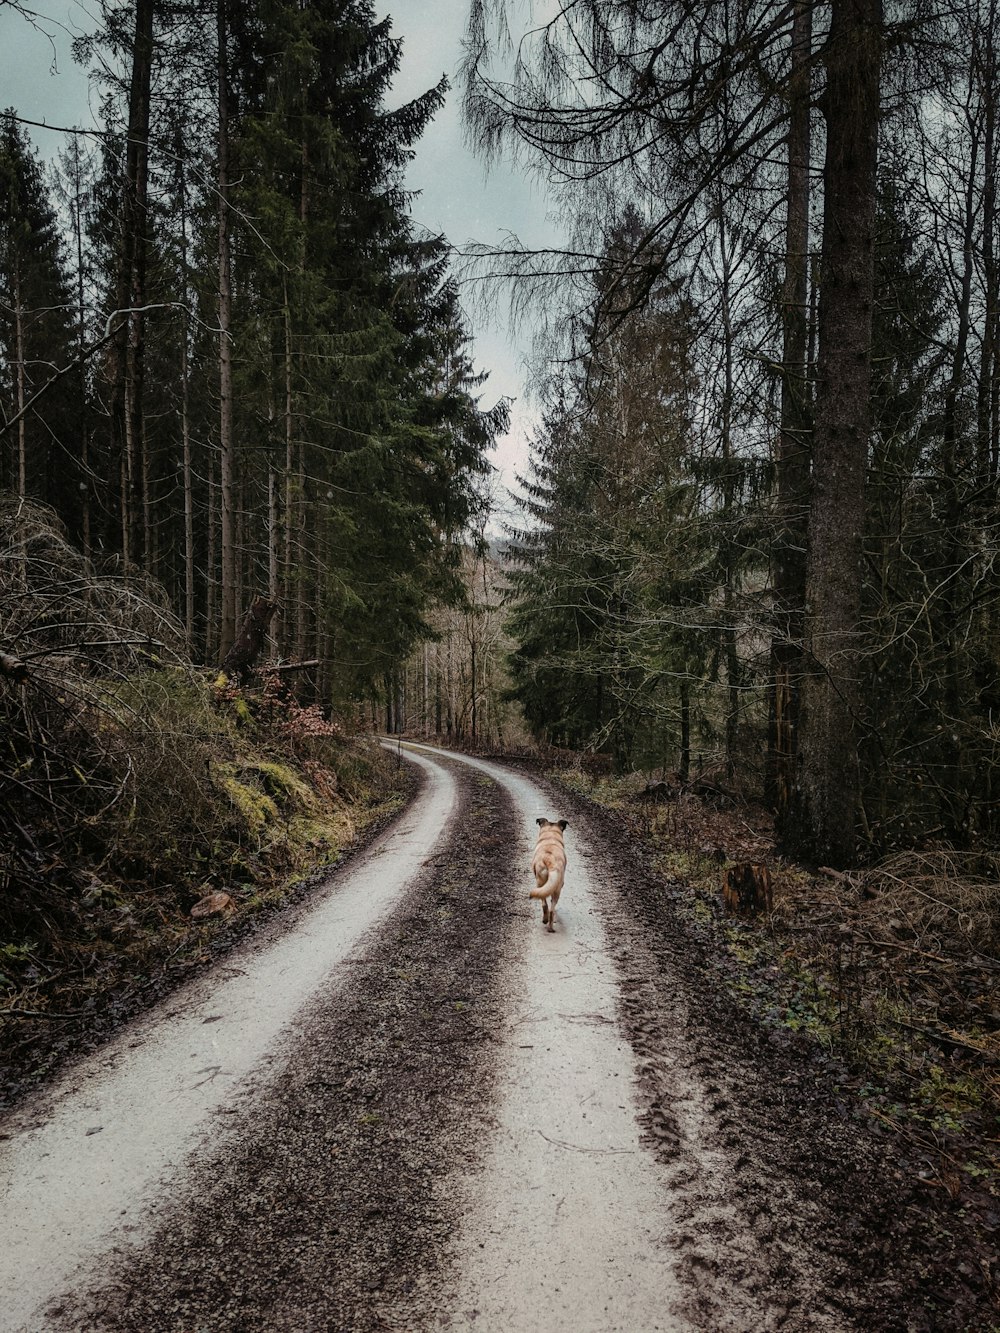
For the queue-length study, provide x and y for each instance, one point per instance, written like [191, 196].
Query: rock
[213, 904]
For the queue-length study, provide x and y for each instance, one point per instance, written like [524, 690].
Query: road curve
[414, 1109]
[566, 1225]
[98, 1145]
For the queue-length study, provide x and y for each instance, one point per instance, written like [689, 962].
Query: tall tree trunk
[827, 793]
[473, 687]
[126, 398]
[188, 476]
[285, 631]
[728, 556]
[273, 528]
[438, 720]
[788, 561]
[227, 461]
[211, 563]
[301, 547]
[985, 66]
[81, 346]
[22, 445]
[956, 546]
[187, 471]
[426, 692]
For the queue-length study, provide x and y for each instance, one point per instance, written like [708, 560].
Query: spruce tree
[41, 457]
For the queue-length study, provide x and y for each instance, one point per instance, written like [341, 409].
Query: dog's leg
[545, 911]
[552, 916]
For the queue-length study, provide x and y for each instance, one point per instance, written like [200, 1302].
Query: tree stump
[658, 791]
[250, 641]
[746, 888]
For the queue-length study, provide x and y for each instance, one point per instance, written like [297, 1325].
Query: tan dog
[548, 865]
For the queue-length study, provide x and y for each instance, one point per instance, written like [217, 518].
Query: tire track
[786, 1214]
[566, 1227]
[325, 1201]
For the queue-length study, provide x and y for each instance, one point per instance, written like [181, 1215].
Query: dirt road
[411, 1108]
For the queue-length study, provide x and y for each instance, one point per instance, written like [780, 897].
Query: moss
[282, 783]
[255, 806]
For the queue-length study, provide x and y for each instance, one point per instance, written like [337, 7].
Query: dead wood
[746, 888]
[282, 668]
[13, 667]
[250, 640]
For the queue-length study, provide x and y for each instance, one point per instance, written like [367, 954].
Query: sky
[456, 195]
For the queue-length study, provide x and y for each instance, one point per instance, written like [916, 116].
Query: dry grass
[893, 970]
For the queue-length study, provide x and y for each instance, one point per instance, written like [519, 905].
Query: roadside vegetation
[892, 971]
[148, 808]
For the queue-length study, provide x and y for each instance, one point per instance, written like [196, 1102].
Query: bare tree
[827, 793]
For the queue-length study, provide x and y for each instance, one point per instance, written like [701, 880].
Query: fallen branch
[44, 1013]
[945, 1039]
[288, 666]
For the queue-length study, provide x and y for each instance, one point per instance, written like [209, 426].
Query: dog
[548, 865]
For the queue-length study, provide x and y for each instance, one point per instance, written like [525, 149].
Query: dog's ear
[541, 820]
[563, 824]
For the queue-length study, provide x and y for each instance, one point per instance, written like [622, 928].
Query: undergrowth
[217, 794]
[893, 972]
[133, 784]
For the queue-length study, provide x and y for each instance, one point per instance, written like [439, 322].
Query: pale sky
[457, 197]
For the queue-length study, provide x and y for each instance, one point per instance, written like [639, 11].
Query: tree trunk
[249, 644]
[728, 555]
[211, 580]
[126, 398]
[22, 451]
[788, 564]
[473, 686]
[188, 475]
[991, 270]
[289, 496]
[273, 525]
[227, 462]
[827, 792]
[81, 341]
[186, 459]
[438, 719]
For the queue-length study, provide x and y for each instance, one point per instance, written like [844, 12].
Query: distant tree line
[228, 360]
[456, 687]
[764, 506]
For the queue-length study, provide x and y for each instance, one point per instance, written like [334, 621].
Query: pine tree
[374, 489]
[41, 457]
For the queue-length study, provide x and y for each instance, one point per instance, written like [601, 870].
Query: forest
[288, 681]
[761, 514]
[238, 400]
[759, 521]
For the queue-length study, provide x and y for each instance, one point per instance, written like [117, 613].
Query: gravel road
[411, 1108]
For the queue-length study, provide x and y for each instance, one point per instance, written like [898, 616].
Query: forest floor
[884, 983]
[658, 1117]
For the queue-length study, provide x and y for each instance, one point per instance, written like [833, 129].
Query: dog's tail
[542, 887]
[546, 883]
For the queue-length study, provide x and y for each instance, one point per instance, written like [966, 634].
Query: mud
[793, 1210]
[325, 1203]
